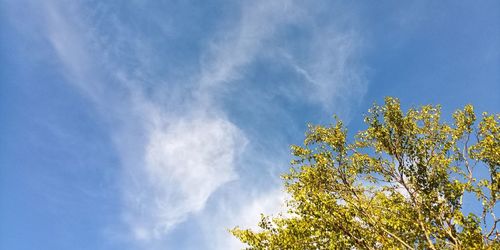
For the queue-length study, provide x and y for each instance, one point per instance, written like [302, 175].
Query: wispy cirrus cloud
[231, 50]
[332, 69]
[178, 149]
[176, 161]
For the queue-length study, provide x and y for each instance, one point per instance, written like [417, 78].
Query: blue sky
[160, 124]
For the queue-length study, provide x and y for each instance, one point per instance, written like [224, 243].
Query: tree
[399, 184]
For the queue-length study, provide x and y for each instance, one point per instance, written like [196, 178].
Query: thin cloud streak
[233, 49]
[331, 70]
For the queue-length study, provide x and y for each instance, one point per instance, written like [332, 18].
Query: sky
[161, 124]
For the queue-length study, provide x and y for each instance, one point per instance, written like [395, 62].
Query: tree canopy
[399, 184]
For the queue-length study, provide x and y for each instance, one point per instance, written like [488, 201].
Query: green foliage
[400, 184]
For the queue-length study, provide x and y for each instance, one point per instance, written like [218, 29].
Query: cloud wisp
[175, 156]
[172, 162]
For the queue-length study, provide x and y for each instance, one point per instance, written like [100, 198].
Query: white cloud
[176, 156]
[66, 37]
[172, 163]
[244, 212]
[234, 48]
[185, 162]
[331, 70]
